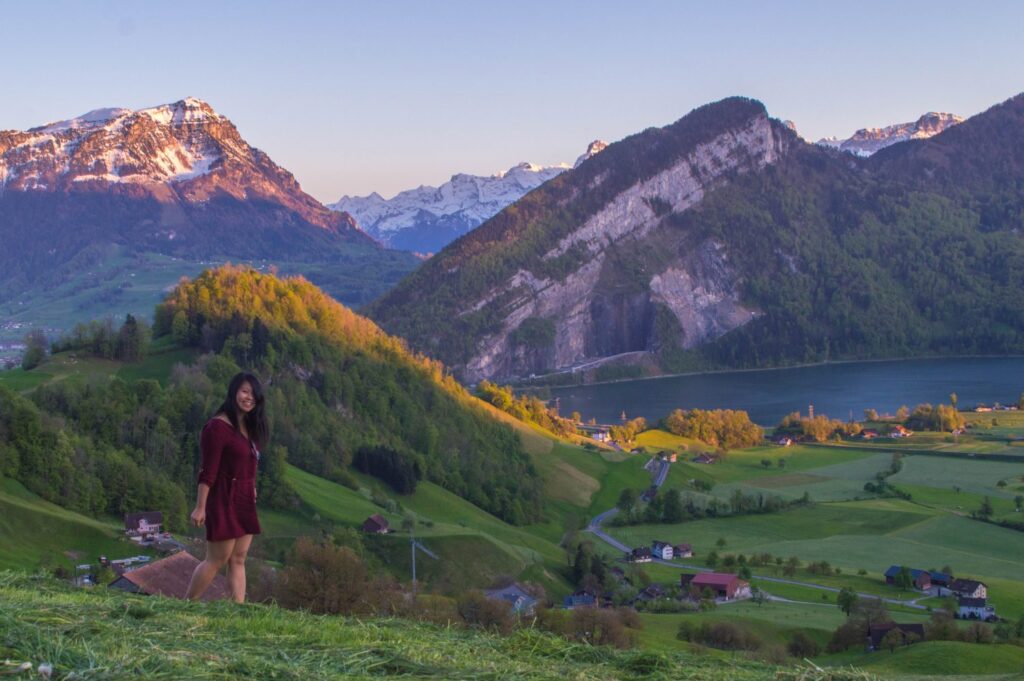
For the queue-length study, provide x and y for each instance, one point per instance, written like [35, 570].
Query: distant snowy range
[426, 219]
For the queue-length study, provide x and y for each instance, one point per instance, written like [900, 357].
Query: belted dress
[229, 461]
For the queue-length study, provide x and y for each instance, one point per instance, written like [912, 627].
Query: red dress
[229, 468]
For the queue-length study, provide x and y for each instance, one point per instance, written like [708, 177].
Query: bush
[802, 645]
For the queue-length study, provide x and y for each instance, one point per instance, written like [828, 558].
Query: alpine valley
[725, 240]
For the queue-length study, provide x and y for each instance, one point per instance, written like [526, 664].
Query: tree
[904, 579]
[35, 349]
[985, 511]
[1018, 502]
[953, 399]
[902, 413]
[627, 501]
[673, 510]
[767, 463]
[892, 639]
[720, 542]
[847, 600]
[801, 645]
[781, 463]
[792, 563]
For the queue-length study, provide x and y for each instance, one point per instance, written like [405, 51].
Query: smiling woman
[226, 498]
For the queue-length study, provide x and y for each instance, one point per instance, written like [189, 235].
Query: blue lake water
[833, 389]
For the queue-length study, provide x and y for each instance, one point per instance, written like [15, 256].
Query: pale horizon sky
[360, 97]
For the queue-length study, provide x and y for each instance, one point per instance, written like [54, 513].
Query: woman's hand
[198, 516]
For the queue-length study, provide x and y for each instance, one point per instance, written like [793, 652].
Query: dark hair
[255, 420]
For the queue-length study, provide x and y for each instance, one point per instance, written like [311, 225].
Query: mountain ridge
[681, 244]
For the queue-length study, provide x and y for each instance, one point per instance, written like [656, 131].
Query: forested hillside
[337, 388]
[724, 240]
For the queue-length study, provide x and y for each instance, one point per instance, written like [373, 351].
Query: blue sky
[356, 97]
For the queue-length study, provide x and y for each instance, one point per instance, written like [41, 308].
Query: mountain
[867, 141]
[176, 179]
[724, 240]
[426, 219]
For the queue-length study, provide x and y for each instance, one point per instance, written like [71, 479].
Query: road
[658, 479]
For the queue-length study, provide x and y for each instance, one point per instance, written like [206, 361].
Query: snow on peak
[593, 149]
[867, 141]
[451, 209]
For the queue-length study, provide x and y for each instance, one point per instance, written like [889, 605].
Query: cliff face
[592, 316]
[594, 292]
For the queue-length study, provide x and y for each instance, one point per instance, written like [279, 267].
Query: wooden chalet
[968, 588]
[376, 524]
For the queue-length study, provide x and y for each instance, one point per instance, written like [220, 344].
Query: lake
[834, 389]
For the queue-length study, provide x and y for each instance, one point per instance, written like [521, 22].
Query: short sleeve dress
[229, 462]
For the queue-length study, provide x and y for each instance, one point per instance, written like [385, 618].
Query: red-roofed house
[724, 585]
[169, 577]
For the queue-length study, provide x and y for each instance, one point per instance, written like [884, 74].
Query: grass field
[106, 634]
[942, 660]
[971, 475]
[867, 534]
[36, 532]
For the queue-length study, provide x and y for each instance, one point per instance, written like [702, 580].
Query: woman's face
[244, 398]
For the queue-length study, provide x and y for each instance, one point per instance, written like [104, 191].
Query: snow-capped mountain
[426, 219]
[183, 153]
[867, 141]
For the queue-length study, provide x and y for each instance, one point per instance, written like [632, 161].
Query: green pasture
[939, 660]
[972, 475]
[35, 532]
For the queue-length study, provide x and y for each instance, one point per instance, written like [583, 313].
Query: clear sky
[354, 97]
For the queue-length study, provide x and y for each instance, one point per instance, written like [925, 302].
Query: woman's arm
[199, 512]
[210, 447]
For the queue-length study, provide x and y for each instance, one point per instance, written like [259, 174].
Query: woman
[226, 499]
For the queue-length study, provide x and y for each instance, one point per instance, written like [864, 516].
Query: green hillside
[916, 251]
[97, 634]
[36, 533]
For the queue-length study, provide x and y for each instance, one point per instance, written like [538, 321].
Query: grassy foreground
[102, 634]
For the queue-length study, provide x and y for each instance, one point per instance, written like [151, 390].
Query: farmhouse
[868, 434]
[168, 577]
[139, 526]
[968, 588]
[704, 458]
[784, 441]
[376, 524]
[516, 596]
[640, 555]
[900, 431]
[975, 609]
[682, 551]
[724, 585]
[662, 550]
[908, 634]
[653, 592]
[580, 599]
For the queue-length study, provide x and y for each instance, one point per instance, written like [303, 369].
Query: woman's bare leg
[236, 568]
[217, 555]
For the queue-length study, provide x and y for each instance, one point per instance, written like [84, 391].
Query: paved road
[594, 527]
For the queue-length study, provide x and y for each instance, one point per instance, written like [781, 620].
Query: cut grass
[972, 475]
[98, 633]
[941, 659]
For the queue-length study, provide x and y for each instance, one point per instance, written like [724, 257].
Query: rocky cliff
[590, 292]
[724, 240]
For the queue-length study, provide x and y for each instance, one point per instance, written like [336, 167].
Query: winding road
[658, 479]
